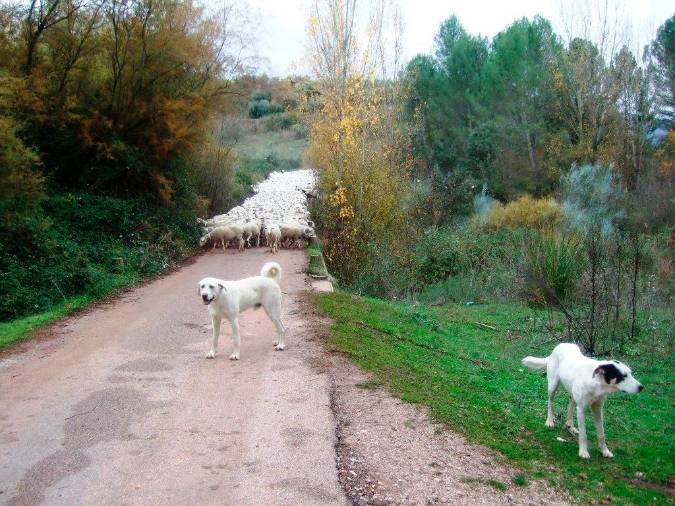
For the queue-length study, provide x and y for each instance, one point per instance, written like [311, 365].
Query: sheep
[252, 228]
[273, 235]
[210, 228]
[224, 235]
[217, 221]
[294, 233]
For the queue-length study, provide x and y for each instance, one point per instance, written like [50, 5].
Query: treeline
[514, 114]
[103, 105]
[517, 169]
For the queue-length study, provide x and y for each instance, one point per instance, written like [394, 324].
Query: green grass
[21, 328]
[471, 379]
[282, 145]
[16, 330]
[264, 152]
[312, 249]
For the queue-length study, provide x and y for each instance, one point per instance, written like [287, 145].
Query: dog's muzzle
[206, 300]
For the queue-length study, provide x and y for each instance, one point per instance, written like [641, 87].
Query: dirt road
[121, 407]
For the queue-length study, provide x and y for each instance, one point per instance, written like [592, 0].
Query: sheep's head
[309, 232]
[203, 240]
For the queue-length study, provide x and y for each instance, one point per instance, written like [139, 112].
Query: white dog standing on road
[588, 382]
[227, 299]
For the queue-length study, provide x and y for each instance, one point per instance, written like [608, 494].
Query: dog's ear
[222, 288]
[609, 372]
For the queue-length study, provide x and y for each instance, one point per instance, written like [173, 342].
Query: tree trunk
[594, 262]
[636, 268]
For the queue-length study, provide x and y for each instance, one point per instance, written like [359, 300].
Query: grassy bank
[18, 329]
[81, 247]
[461, 363]
[262, 152]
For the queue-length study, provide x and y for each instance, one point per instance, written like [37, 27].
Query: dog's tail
[271, 270]
[534, 362]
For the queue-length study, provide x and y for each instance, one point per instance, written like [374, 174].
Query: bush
[281, 121]
[84, 244]
[301, 131]
[441, 198]
[263, 108]
[553, 267]
[537, 214]
[593, 200]
[446, 252]
[214, 167]
[21, 186]
[259, 95]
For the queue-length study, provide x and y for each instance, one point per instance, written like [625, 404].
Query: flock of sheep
[276, 214]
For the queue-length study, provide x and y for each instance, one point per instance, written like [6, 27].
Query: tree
[445, 40]
[662, 70]
[443, 93]
[333, 40]
[355, 144]
[113, 93]
[634, 107]
[518, 84]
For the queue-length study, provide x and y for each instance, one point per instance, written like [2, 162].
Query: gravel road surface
[120, 406]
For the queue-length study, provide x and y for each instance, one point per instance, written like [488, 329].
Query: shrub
[79, 243]
[281, 121]
[441, 198]
[214, 168]
[452, 251]
[387, 271]
[553, 266]
[538, 214]
[21, 186]
[593, 199]
[259, 95]
[301, 131]
[263, 108]
[362, 164]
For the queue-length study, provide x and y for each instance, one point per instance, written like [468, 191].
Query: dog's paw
[275, 343]
[234, 356]
[211, 354]
[279, 347]
[573, 430]
[607, 453]
[584, 454]
[550, 424]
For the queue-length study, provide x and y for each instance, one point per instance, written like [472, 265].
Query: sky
[282, 34]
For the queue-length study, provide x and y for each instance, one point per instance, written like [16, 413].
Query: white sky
[282, 33]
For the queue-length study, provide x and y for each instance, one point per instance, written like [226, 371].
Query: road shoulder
[390, 452]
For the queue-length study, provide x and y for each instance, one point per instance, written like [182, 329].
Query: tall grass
[553, 266]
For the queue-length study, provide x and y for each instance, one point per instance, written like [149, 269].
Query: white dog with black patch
[228, 299]
[588, 382]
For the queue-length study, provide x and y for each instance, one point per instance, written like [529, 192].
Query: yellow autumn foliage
[527, 211]
[363, 171]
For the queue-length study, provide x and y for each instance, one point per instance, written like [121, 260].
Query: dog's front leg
[235, 339]
[600, 428]
[570, 418]
[215, 322]
[583, 440]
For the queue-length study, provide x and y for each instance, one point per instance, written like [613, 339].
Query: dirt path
[121, 407]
